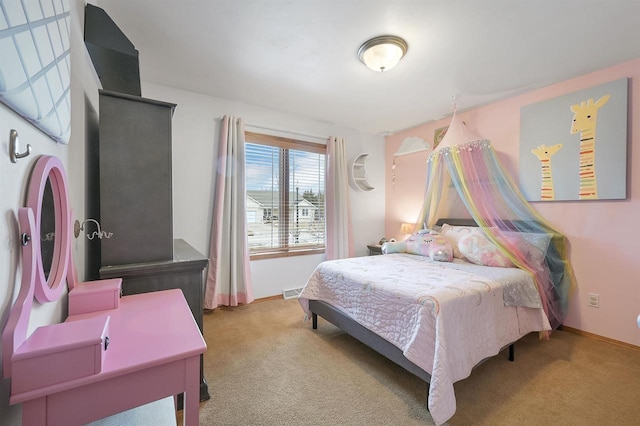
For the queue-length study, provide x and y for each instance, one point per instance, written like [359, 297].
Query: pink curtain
[229, 276]
[339, 234]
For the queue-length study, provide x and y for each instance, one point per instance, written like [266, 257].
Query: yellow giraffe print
[585, 117]
[544, 154]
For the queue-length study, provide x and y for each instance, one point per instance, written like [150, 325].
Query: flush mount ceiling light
[383, 52]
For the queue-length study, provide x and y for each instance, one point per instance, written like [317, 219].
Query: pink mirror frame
[15, 332]
[49, 167]
[33, 279]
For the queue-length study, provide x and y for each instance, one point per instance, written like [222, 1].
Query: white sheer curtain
[339, 235]
[229, 276]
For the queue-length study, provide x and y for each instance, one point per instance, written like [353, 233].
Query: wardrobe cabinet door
[135, 179]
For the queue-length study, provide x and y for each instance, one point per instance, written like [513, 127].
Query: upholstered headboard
[521, 225]
[456, 222]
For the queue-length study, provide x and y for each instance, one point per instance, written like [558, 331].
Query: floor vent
[291, 293]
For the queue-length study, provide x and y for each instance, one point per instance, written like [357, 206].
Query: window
[285, 183]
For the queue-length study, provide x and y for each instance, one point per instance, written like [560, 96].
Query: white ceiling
[299, 56]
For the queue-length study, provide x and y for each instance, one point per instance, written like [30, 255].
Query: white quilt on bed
[445, 317]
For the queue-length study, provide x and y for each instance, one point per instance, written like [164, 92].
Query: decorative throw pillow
[533, 246]
[433, 245]
[478, 249]
[394, 247]
[454, 234]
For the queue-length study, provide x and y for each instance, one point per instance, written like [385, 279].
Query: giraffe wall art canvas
[574, 147]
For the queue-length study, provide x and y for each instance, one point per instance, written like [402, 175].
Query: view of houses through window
[285, 186]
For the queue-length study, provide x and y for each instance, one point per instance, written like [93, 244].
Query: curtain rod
[291, 132]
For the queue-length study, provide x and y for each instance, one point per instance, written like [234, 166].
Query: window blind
[285, 189]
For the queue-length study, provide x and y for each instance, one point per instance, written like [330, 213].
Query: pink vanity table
[112, 353]
[154, 352]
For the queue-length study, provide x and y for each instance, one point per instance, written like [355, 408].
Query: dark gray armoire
[135, 179]
[133, 197]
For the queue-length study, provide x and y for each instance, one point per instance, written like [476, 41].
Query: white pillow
[454, 234]
[478, 249]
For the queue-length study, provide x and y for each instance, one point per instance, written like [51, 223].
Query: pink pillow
[478, 249]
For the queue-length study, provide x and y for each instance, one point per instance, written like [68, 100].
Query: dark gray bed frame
[372, 340]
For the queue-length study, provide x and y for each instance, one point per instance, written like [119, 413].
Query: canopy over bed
[464, 172]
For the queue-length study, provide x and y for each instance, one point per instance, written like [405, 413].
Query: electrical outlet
[594, 300]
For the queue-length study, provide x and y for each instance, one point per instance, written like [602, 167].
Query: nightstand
[374, 249]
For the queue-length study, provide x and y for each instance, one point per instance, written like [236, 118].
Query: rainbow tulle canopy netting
[465, 175]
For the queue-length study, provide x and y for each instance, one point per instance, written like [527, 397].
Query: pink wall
[604, 235]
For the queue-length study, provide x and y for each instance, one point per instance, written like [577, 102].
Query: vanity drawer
[60, 352]
[92, 296]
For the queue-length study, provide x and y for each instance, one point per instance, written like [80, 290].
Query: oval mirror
[47, 196]
[47, 229]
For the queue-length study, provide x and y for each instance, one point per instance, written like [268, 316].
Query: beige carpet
[265, 366]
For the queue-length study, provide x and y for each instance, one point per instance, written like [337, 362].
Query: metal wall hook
[14, 146]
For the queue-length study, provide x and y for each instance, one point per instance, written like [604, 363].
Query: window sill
[273, 255]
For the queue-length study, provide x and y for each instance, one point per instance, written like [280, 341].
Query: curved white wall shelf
[411, 145]
[359, 173]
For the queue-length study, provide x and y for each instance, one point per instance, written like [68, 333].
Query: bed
[435, 319]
